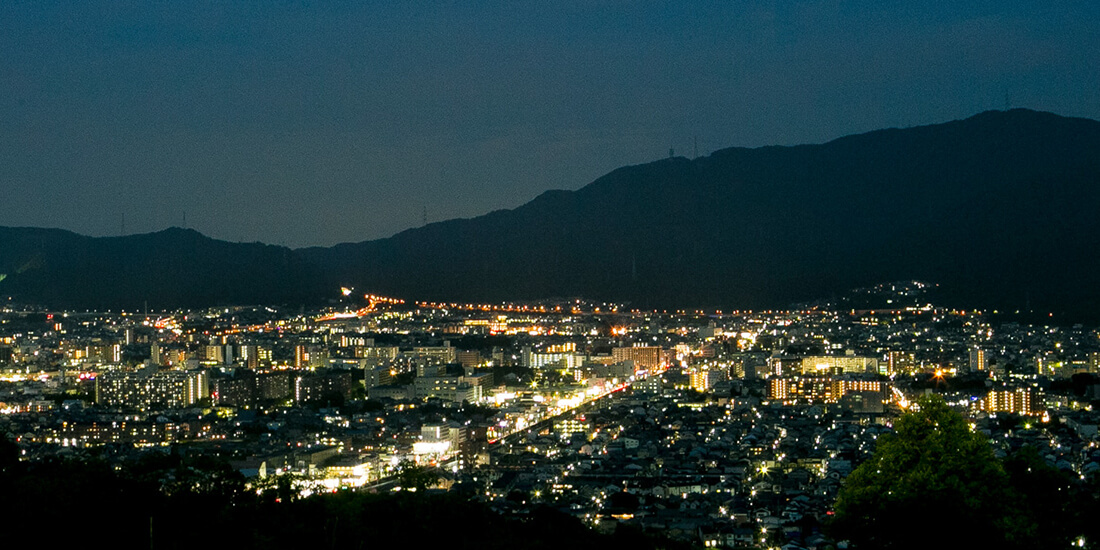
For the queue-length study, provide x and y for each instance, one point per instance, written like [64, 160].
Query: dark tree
[1048, 498]
[417, 477]
[934, 483]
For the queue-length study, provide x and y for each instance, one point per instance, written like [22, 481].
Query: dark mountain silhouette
[1000, 209]
[170, 268]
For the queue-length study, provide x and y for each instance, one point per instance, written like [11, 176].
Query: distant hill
[999, 209]
[167, 269]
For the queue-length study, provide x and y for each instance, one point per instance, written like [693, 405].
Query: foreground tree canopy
[934, 483]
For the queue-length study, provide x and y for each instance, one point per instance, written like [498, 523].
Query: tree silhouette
[1049, 497]
[933, 483]
[417, 477]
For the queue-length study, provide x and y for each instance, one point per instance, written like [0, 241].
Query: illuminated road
[582, 408]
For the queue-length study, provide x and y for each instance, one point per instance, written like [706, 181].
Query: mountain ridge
[993, 207]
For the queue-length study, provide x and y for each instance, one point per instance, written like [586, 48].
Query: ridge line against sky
[312, 125]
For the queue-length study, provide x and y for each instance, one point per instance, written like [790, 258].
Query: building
[391, 391]
[824, 389]
[901, 362]
[248, 388]
[255, 356]
[437, 354]
[562, 357]
[375, 375]
[799, 390]
[218, 354]
[301, 356]
[703, 379]
[469, 359]
[333, 387]
[449, 389]
[1018, 401]
[149, 388]
[615, 371]
[73, 434]
[439, 440]
[978, 360]
[377, 354]
[644, 357]
[838, 364]
[310, 357]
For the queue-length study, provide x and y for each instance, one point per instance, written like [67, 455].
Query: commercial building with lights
[838, 364]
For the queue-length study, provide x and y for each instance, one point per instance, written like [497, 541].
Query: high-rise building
[265, 353]
[901, 362]
[644, 357]
[703, 379]
[218, 354]
[329, 387]
[248, 388]
[114, 353]
[301, 357]
[978, 360]
[149, 388]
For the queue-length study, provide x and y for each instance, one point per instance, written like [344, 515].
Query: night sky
[292, 123]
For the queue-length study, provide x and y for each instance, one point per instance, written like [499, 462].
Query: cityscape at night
[807, 275]
[713, 429]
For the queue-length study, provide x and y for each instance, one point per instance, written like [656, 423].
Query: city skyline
[721, 430]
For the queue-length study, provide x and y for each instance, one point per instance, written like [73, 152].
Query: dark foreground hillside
[164, 502]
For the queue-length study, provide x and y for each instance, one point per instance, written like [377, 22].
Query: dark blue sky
[298, 124]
